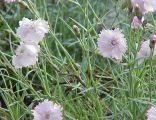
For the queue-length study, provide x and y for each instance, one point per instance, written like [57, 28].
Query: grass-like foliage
[70, 70]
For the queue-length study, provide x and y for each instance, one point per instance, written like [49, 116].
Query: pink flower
[151, 113]
[112, 44]
[10, 1]
[136, 22]
[144, 51]
[32, 31]
[47, 110]
[26, 55]
[145, 6]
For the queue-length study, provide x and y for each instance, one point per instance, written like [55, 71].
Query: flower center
[21, 51]
[47, 116]
[114, 42]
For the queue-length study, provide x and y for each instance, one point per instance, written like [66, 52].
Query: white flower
[112, 44]
[10, 1]
[144, 51]
[47, 110]
[32, 31]
[151, 113]
[145, 6]
[26, 55]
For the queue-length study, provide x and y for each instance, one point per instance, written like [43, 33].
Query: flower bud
[76, 30]
[153, 41]
[136, 22]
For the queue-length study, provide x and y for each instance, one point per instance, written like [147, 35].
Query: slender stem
[151, 73]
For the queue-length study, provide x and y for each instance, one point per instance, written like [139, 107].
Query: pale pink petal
[151, 113]
[10, 1]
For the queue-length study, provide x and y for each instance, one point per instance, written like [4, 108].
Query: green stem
[151, 72]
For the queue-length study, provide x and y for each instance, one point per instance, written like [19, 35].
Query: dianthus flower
[145, 51]
[32, 31]
[112, 44]
[26, 55]
[144, 6]
[47, 110]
